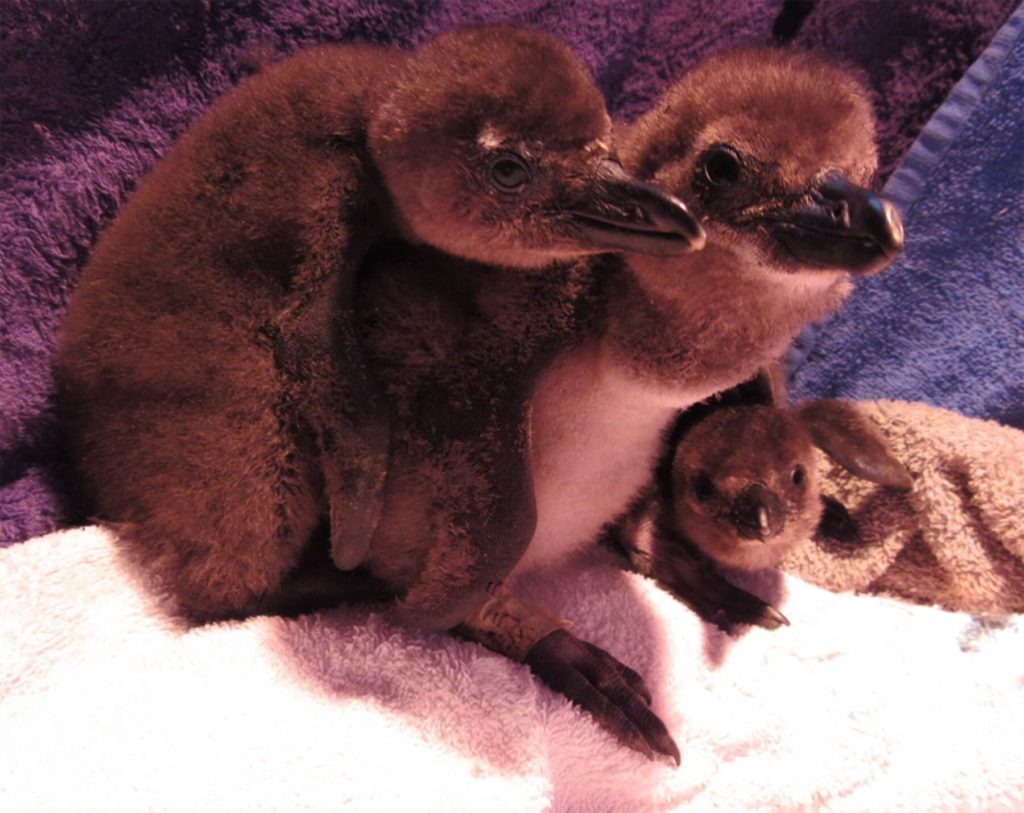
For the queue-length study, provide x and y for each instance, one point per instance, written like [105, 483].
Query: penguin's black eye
[703, 487]
[721, 165]
[799, 476]
[509, 173]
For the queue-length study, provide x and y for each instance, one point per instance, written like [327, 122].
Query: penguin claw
[774, 616]
[744, 608]
[613, 693]
[723, 604]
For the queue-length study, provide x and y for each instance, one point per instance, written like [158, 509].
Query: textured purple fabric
[913, 51]
[93, 92]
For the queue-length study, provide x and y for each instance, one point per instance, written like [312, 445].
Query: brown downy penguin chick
[740, 489]
[769, 146]
[215, 393]
[772, 148]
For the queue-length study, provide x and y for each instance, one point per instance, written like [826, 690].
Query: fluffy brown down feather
[214, 392]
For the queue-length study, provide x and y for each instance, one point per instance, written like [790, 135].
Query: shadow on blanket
[353, 653]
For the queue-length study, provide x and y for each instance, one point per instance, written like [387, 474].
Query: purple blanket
[93, 92]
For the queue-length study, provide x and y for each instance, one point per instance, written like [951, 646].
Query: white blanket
[864, 704]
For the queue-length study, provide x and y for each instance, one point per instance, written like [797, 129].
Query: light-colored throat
[712, 325]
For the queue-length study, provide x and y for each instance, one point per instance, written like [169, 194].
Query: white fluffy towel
[863, 704]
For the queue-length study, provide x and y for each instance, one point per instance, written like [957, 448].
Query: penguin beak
[839, 226]
[619, 213]
[757, 513]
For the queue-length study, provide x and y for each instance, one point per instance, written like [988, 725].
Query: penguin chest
[594, 443]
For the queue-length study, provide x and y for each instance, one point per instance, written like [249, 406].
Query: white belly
[595, 438]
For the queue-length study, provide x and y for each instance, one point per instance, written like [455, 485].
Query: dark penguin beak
[620, 213]
[839, 226]
[757, 513]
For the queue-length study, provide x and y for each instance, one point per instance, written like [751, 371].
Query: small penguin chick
[740, 489]
[775, 148]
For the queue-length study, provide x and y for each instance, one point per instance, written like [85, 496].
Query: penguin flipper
[343, 407]
[691, 577]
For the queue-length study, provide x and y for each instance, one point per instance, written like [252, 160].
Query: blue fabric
[945, 324]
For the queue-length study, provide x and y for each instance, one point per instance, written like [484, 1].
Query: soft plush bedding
[955, 540]
[865, 703]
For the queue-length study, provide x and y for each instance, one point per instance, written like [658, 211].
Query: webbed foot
[612, 692]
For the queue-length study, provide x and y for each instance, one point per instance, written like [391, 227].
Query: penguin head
[495, 146]
[775, 152]
[745, 485]
[745, 479]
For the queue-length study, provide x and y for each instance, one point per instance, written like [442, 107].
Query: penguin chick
[216, 396]
[773, 150]
[739, 489]
[497, 149]
[767, 146]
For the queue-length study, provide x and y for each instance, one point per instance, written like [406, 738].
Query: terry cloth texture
[945, 324]
[93, 93]
[863, 704]
[955, 540]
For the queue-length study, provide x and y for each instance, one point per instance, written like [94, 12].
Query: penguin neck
[709, 321]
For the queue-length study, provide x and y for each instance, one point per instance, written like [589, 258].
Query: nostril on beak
[840, 211]
[640, 215]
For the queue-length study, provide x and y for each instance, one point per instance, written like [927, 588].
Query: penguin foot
[612, 692]
[719, 602]
[689, 575]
